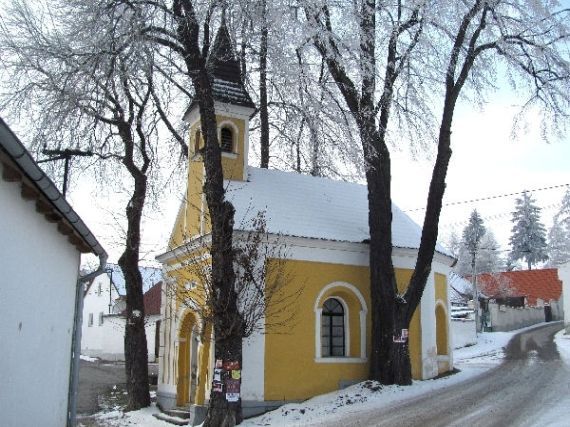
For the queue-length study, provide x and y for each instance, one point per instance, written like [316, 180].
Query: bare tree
[266, 302]
[87, 82]
[425, 44]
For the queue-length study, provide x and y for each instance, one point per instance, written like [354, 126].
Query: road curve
[522, 391]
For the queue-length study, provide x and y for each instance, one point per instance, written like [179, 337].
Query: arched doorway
[441, 331]
[188, 342]
[442, 339]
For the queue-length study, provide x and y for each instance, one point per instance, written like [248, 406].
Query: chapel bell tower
[234, 108]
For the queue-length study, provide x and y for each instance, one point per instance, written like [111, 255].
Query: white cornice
[229, 110]
[183, 250]
[300, 247]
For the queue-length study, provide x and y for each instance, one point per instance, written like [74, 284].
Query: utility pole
[474, 284]
[65, 155]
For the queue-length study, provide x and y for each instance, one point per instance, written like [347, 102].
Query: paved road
[96, 379]
[520, 392]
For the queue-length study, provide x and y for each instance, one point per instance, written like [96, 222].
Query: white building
[564, 275]
[103, 329]
[40, 296]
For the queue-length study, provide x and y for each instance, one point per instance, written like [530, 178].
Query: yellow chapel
[323, 225]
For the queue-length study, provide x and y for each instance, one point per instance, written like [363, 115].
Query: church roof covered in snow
[306, 206]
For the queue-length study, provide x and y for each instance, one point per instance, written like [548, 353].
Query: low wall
[564, 275]
[463, 332]
[503, 318]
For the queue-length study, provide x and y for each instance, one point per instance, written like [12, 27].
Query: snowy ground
[471, 361]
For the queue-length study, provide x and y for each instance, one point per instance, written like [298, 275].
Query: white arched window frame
[362, 324]
[230, 125]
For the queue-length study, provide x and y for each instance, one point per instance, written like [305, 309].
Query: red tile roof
[152, 300]
[533, 284]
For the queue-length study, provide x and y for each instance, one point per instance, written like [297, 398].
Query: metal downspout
[76, 341]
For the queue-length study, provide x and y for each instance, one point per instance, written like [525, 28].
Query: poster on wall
[232, 390]
[402, 337]
[231, 365]
[236, 374]
[218, 386]
[232, 397]
[218, 374]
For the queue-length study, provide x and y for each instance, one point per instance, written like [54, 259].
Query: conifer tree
[476, 240]
[528, 238]
[559, 234]
[474, 232]
[488, 258]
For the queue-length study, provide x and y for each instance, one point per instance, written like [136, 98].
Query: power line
[495, 217]
[498, 196]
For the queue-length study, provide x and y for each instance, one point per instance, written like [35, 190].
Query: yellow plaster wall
[415, 332]
[291, 372]
[193, 218]
[441, 287]
[232, 163]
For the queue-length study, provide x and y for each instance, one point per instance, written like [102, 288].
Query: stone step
[177, 421]
[178, 412]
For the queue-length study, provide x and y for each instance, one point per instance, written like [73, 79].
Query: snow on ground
[364, 396]
[88, 359]
[142, 417]
[471, 361]
[489, 347]
[562, 341]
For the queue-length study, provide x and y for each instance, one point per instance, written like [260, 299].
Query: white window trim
[228, 123]
[341, 360]
[318, 313]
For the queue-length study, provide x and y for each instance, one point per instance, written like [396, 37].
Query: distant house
[40, 296]
[564, 273]
[515, 299]
[103, 328]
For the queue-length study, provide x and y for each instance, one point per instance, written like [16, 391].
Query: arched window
[227, 140]
[197, 142]
[332, 329]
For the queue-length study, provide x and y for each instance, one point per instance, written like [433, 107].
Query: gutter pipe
[76, 340]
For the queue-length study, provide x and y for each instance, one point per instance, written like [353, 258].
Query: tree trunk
[222, 413]
[228, 323]
[263, 108]
[136, 356]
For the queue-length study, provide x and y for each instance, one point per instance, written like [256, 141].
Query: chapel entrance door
[194, 341]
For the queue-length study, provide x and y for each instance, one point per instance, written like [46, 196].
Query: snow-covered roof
[227, 84]
[459, 288]
[306, 206]
[150, 276]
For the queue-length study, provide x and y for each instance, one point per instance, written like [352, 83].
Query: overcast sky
[489, 161]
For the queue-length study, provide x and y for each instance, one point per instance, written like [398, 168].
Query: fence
[503, 318]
